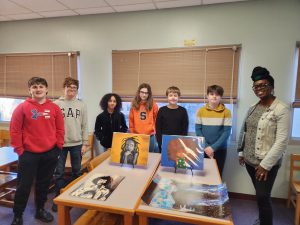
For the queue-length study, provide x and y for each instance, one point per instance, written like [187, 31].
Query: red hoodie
[36, 127]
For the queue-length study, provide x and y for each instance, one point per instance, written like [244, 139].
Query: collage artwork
[196, 198]
[130, 149]
[185, 152]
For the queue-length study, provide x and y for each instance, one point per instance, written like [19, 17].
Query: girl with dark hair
[143, 113]
[110, 120]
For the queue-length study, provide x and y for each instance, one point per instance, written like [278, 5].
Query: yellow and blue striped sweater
[214, 125]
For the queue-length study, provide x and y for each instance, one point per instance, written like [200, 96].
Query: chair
[98, 159]
[4, 138]
[294, 186]
[86, 158]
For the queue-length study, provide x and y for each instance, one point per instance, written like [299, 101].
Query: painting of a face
[101, 181]
[183, 151]
[129, 148]
[129, 145]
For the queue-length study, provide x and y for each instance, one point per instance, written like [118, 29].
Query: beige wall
[268, 31]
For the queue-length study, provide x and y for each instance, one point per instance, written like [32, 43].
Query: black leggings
[263, 194]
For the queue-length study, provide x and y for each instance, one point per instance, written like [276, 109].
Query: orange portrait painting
[130, 148]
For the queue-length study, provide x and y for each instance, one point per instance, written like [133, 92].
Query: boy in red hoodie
[37, 136]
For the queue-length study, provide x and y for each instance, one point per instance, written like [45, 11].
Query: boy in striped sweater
[213, 122]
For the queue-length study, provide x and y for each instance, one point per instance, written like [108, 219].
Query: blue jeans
[263, 194]
[153, 146]
[75, 154]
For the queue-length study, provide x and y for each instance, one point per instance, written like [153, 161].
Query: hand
[83, 149]
[209, 152]
[261, 174]
[242, 160]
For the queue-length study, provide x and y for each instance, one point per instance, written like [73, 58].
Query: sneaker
[257, 222]
[44, 216]
[18, 220]
[54, 207]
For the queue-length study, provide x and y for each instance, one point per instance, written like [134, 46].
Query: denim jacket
[272, 134]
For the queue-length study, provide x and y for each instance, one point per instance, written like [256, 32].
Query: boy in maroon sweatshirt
[37, 136]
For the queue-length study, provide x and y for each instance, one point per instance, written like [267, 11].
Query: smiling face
[173, 98]
[71, 91]
[38, 91]
[144, 94]
[262, 88]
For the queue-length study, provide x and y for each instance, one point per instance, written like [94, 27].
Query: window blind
[17, 69]
[191, 69]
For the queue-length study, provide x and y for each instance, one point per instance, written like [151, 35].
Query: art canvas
[186, 152]
[98, 187]
[130, 148]
[196, 198]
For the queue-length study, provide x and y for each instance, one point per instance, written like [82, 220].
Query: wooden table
[210, 175]
[7, 158]
[7, 179]
[124, 199]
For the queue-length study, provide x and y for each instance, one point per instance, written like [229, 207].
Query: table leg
[128, 219]
[143, 220]
[63, 214]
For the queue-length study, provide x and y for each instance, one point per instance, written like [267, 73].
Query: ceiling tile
[136, 7]
[8, 7]
[40, 5]
[207, 2]
[4, 18]
[178, 3]
[82, 4]
[94, 10]
[26, 16]
[58, 13]
[127, 2]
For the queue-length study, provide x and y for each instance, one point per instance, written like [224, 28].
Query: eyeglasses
[260, 86]
[143, 92]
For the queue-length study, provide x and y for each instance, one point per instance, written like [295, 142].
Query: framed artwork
[98, 187]
[130, 148]
[196, 198]
[185, 152]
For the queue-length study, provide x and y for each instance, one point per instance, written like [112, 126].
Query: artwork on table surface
[130, 148]
[98, 187]
[196, 198]
[186, 152]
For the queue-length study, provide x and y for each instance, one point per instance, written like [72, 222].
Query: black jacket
[106, 124]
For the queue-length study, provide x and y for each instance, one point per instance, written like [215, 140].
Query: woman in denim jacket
[263, 141]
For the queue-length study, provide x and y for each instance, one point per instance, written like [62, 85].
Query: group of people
[43, 132]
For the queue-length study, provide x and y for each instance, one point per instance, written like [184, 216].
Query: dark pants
[220, 157]
[153, 146]
[34, 165]
[263, 194]
[75, 155]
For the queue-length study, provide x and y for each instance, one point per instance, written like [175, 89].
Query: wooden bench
[93, 217]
